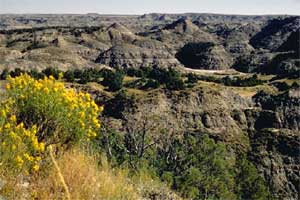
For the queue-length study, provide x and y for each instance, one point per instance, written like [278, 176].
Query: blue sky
[148, 6]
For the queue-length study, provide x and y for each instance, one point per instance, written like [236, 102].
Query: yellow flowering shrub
[37, 113]
[20, 149]
[61, 115]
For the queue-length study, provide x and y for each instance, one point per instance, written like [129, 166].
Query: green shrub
[151, 84]
[170, 77]
[4, 74]
[192, 78]
[16, 72]
[34, 73]
[249, 184]
[50, 71]
[295, 85]
[69, 76]
[113, 80]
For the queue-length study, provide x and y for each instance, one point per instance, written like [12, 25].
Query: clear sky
[149, 6]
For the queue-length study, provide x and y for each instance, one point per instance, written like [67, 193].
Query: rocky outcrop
[292, 43]
[236, 37]
[198, 110]
[207, 18]
[204, 56]
[284, 61]
[283, 107]
[182, 26]
[276, 155]
[254, 43]
[131, 56]
[275, 33]
[266, 128]
[273, 129]
[179, 33]
[118, 32]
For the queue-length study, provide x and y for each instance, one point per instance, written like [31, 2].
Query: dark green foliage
[173, 80]
[295, 85]
[69, 76]
[283, 86]
[239, 82]
[192, 78]
[249, 184]
[209, 79]
[142, 72]
[113, 80]
[83, 76]
[90, 75]
[135, 72]
[4, 74]
[202, 168]
[86, 76]
[175, 84]
[156, 76]
[170, 77]
[104, 72]
[153, 84]
[17, 72]
[245, 66]
[114, 149]
[78, 73]
[143, 84]
[233, 81]
[194, 165]
[50, 71]
[138, 83]
[168, 177]
[36, 74]
[117, 105]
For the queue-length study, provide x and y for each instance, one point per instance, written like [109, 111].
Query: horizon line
[137, 14]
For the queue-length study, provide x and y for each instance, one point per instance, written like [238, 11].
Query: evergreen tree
[4, 74]
[114, 80]
[248, 182]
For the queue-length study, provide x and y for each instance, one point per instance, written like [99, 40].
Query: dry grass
[96, 86]
[242, 91]
[129, 79]
[84, 179]
[136, 92]
[265, 77]
[251, 91]
[289, 81]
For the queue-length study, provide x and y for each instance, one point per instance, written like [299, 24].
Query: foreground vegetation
[54, 147]
[47, 151]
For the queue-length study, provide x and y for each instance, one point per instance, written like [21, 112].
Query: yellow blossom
[35, 167]
[42, 147]
[19, 161]
[13, 118]
[7, 126]
[8, 86]
[46, 90]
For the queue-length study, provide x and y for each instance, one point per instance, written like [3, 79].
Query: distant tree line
[113, 79]
[149, 77]
[227, 80]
